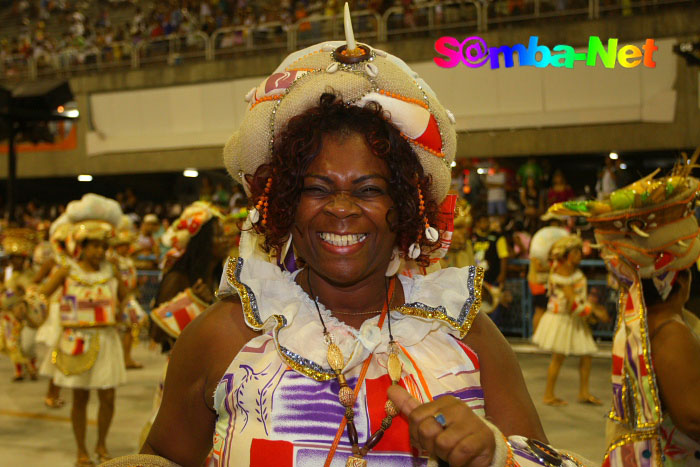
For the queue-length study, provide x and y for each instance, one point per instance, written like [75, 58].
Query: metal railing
[172, 49]
[432, 17]
[461, 16]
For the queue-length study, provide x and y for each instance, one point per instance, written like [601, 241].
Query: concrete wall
[684, 132]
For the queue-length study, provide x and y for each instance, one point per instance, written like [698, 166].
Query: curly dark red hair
[300, 142]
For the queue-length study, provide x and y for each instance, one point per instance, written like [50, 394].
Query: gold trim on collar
[312, 369]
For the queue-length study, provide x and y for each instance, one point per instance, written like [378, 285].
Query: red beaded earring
[431, 233]
[261, 206]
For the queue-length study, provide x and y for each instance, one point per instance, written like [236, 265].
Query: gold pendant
[394, 366]
[354, 461]
[335, 358]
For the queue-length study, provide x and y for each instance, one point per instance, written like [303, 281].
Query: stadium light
[613, 156]
[84, 178]
[623, 166]
[481, 171]
[190, 173]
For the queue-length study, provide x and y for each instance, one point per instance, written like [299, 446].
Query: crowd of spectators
[58, 34]
[67, 32]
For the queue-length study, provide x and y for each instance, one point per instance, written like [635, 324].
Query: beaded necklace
[347, 395]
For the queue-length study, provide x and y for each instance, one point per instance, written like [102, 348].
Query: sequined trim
[250, 304]
[633, 438]
[305, 366]
[469, 310]
[250, 309]
[315, 371]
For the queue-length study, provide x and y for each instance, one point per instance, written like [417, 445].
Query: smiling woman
[308, 169]
[353, 358]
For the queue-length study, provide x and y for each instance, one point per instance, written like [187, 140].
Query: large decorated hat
[186, 227]
[94, 217]
[359, 74]
[20, 242]
[649, 224]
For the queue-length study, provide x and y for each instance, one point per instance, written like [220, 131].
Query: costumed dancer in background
[199, 241]
[20, 311]
[538, 270]
[461, 253]
[134, 317]
[43, 252]
[563, 329]
[49, 332]
[89, 353]
[649, 238]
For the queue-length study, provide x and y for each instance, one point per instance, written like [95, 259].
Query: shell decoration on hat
[94, 217]
[359, 74]
[651, 223]
[18, 241]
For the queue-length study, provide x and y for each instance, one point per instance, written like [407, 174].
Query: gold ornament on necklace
[346, 395]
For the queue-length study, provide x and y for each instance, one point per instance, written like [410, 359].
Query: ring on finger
[440, 418]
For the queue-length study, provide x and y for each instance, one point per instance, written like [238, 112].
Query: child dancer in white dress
[563, 329]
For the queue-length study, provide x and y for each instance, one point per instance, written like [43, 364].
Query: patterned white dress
[277, 404]
[563, 328]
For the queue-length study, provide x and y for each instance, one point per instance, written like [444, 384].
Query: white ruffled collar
[446, 300]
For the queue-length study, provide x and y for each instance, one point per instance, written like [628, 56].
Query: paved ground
[33, 435]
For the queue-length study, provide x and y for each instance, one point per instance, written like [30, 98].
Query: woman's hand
[465, 441]
[201, 290]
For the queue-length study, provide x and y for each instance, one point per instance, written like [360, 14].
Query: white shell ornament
[371, 69]
[431, 234]
[327, 47]
[254, 216]
[249, 95]
[332, 67]
[451, 116]
[380, 53]
[414, 251]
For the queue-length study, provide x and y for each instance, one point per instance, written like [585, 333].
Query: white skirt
[49, 332]
[565, 334]
[108, 371]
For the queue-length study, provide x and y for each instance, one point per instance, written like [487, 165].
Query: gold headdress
[563, 246]
[125, 233]
[19, 242]
[94, 217]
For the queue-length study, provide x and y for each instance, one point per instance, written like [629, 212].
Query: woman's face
[341, 228]
[94, 252]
